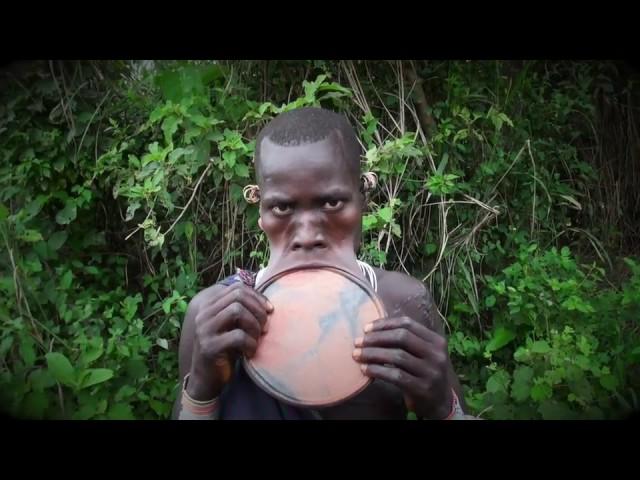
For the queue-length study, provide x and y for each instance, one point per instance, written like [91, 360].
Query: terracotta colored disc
[305, 358]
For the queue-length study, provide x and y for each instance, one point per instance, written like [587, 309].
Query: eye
[281, 209]
[333, 204]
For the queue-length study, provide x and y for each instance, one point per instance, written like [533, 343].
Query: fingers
[232, 341]
[390, 357]
[224, 312]
[398, 338]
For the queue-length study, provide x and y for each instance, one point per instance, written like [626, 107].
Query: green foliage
[121, 197]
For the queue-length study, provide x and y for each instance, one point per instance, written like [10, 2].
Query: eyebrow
[329, 193]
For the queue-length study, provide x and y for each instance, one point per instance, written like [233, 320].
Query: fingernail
[358, 341]
[368, 327]
[357, 353]
[269, 306]
[363, 368]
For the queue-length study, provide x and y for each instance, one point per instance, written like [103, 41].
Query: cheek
[349, 221]
[271, 225]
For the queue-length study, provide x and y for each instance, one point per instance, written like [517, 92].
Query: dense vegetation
[510, 188]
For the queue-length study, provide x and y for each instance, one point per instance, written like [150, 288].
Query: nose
[308, 236]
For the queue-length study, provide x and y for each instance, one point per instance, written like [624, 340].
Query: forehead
[309, 166]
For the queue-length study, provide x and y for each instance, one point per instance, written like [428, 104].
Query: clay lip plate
[305, 358]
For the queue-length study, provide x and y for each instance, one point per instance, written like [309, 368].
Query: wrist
[200, 385]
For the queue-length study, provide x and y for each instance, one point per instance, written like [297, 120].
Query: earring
[251, 193]
[369, 181]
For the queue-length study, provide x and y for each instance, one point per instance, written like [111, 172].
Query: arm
[408, 348]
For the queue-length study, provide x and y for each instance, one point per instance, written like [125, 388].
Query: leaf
[501, 337]
[230, 158]
[169, 127]
[85, 412]
[41, 379]
[521, 388]
[552, 410]
[31, 236]
[57, 240]
[27, 351]
[541, 391]
[609, 382]
[94, 376]
[60, 368]
[162, 342]
[120, 411]
[94, 352]
[498, 382]
[385, 214]
[242, 170]
[188, 230]
[67, 214]
[34, 207]
[4, 213]
[540, 346]
[65, 281]
[125, 392]
[131, 210]
[490, 301]
[430, 248]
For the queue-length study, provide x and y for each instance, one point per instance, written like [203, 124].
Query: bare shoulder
[403, 294]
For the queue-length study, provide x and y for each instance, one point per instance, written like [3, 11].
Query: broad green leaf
[31, 236]
[125, 392]
[93, 352]
[521, 388]
[95, 376]
[162, 342]
[169, 127]
[57, 240]
[498, 382]
[60, 368]
[4, 212]
[540, 346]
[85, 412]
[386, 214]
[27, 351]
[188, 230]
[120, 411]
[65, 281]
[490, 301]
[541, 391]
[430, 248]
[609, 382]
[500, 338]
[67, 214]
[242, 170]
[41, 379]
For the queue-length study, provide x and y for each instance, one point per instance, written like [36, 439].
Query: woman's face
[310, 204]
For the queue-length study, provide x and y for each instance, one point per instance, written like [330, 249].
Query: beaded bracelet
[196, 409]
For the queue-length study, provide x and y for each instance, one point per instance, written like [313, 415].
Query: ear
[260, 223]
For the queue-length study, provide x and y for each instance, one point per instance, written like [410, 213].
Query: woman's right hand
[227, 324]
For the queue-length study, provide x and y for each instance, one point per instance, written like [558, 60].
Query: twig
[193, 194]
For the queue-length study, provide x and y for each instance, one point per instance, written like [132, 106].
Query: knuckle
[237, 294]
[406, 321]
[402, 336]
[399, 357]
